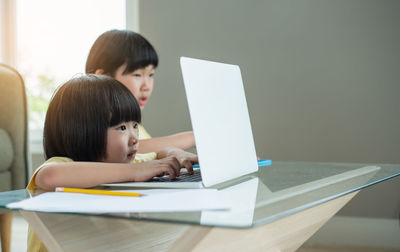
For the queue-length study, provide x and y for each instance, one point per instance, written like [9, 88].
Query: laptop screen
[220, 120]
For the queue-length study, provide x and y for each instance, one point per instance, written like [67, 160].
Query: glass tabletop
[273, 192]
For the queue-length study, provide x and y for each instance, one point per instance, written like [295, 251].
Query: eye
[151, 75]
[122, 128]
[135, 126]
[137, 75]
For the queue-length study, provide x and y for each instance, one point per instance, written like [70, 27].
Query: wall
[321, 77]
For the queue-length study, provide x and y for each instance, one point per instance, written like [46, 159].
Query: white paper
[154, 201]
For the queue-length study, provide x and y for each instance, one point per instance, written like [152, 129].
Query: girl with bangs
[131, 59]
[91, 138]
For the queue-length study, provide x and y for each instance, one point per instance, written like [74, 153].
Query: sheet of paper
[154, 201]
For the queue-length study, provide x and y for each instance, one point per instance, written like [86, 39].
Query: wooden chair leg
[5, 231]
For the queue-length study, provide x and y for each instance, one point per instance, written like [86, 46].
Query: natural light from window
[53, 41]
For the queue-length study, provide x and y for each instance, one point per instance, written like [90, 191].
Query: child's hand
[157, 168]
[185, 159]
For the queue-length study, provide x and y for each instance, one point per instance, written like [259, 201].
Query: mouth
[142, 101]
[131, 155]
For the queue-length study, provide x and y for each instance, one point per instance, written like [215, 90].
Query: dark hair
[80, 113]
[114, 48]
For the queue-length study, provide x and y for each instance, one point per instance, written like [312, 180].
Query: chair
[14, 159]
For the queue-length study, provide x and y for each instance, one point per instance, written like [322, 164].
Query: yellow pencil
[99, 192]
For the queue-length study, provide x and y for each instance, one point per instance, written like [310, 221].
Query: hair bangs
[141, 54]
[124, 107]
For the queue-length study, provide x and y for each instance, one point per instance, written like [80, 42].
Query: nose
[133, 137]
[133, 140]
[145, 84]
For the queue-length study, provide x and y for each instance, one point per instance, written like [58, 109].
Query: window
[53, 41]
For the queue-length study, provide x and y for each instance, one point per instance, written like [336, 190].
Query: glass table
[277, 208]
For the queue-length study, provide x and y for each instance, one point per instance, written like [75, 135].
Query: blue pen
[264, 162]
[261, 163]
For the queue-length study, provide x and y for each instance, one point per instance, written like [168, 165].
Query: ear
[99, 71]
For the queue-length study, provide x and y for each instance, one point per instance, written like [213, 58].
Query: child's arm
[184, 141]
[90, 174]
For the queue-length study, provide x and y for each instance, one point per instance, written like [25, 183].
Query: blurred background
[322, 78]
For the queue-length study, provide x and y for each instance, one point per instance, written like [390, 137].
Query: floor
[20, 230]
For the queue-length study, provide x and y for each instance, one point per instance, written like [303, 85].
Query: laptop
[220, 122]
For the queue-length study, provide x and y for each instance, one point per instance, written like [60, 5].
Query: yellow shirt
[143, 134]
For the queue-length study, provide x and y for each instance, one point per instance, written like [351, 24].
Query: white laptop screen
[220, 120]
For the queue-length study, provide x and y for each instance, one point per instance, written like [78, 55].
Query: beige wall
[321, 77]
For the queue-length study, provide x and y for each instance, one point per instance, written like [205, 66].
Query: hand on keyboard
[185, 159]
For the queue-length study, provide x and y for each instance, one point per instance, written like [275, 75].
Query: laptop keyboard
[186, 177]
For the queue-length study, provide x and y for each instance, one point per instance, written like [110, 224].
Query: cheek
[115, 150]
[130, 83]
[136, 94]
[134, 88]
[152, 85]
